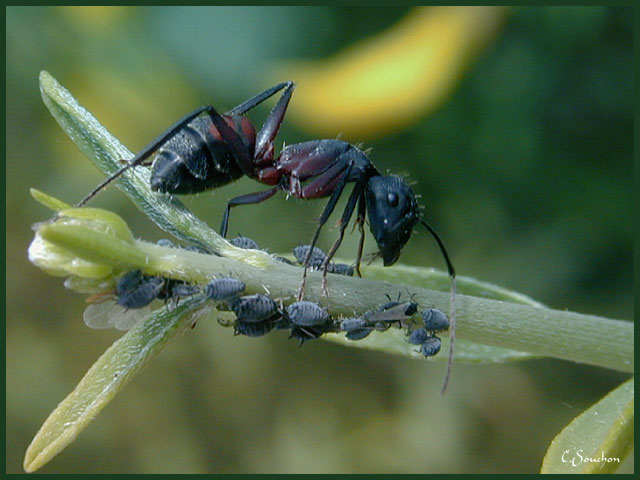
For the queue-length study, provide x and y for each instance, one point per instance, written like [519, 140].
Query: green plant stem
[540, 331]
[536, 330]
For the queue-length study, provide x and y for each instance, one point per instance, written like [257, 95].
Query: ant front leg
[356, 196]
[264, 139]
[362, 210]
[331, 205]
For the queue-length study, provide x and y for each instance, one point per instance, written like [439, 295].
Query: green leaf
[395, 342]
[113, 370]
[48, 201]
[436, 280]
[598, 440]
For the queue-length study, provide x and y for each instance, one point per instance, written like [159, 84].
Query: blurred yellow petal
[95, 19]
[385, 82]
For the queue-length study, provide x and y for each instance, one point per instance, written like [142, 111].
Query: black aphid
[435, 320]
[305, 334]
[254, 308]
[136, 290]
[253, 329]
[341, 269]
[224, 289]
[418, 337]
[307, 314]
[244, 242]
[431, 346]
[316, 257]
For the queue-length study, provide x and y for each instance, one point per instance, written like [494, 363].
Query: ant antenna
[452, 313]
[106, 182]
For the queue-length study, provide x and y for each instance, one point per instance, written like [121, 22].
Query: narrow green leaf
[395, 342]
[437, 280]
[598, 440]
[107, 377]
[48, 201]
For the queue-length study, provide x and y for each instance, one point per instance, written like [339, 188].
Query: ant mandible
[200, 152]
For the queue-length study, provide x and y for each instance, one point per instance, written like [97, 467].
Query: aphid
[359, 333]
[389, 313]
[431, 346]
[253, 329]
[305, 334]
[356, 328]
[355, 323]
[244, 242]
[224, 289]
[136, 290]
[418, 337]
[307, 314]
[163, 242]
[316, 256]
[254, 308]
[434, 320]
[177, 289]
[341, 269]
[195, 248]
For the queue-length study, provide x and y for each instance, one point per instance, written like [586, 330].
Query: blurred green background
[526, 173]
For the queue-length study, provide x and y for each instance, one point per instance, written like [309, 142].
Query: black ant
[201, 152]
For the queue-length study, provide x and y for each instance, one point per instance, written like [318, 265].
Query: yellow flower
[386, 82]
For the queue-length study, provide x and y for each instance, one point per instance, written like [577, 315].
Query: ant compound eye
[392, 199]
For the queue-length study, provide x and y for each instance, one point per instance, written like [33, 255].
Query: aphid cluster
[258, 314]
[136, 290]
[434, 321]
[128, 303]
[317, 258]
[400, 315]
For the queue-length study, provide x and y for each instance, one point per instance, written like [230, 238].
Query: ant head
[393, 211]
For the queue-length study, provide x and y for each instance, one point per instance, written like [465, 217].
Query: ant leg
[146, 152]
[331, 205]
[247, 199]
[247, 105]
[356, 195]
[270, 128]
[362, 209]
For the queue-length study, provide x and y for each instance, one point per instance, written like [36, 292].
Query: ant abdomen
[193, 160]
